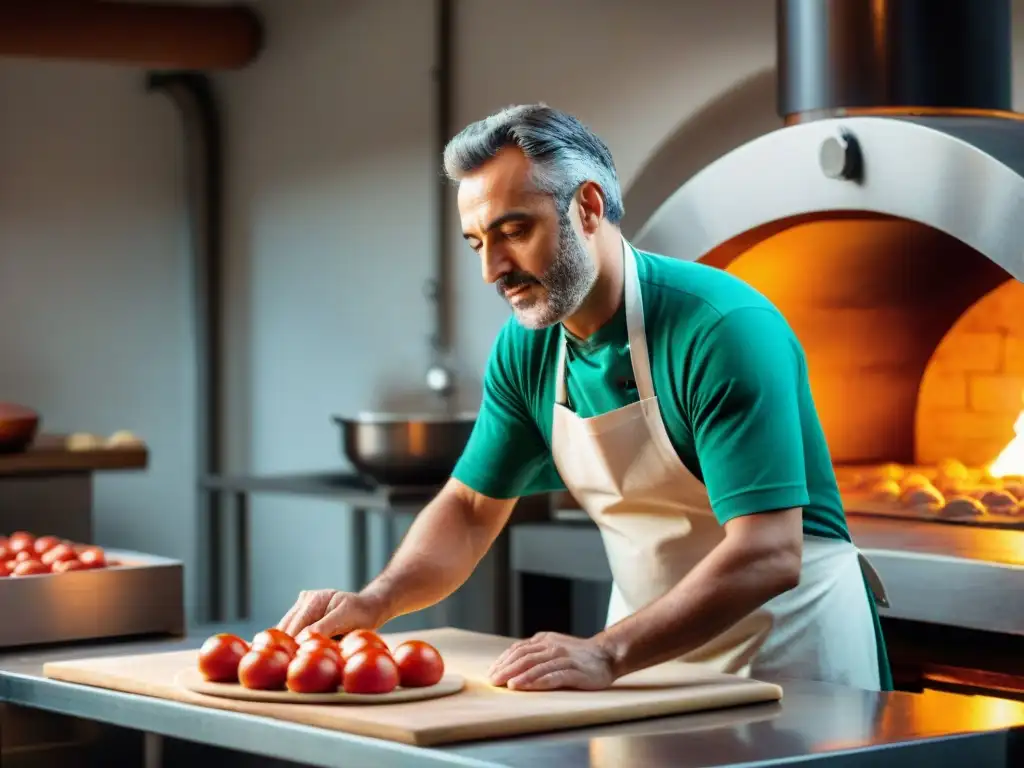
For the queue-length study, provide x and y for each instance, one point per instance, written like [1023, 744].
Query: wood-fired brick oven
[885, 220]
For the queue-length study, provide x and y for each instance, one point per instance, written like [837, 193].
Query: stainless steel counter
[813, 723]
[935, 573]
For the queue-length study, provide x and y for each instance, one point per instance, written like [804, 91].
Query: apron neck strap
[635, 330]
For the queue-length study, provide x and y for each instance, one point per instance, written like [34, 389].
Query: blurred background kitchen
[330, 233]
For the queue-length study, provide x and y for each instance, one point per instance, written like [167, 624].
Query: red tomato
[371, 670]
[7, 567]
[30, 568]
[357, 640]
[5, 553]
[315, 671]
[25, 554]
[60, 552]
[264, 669]
[419, 664]
[320, 644]
[20, 540]
[277, 639]
[220, 656]
[63, 566]
[44, 543]
[94, 557]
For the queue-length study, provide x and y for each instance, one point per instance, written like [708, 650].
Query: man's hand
[549, 660]
[331, 612]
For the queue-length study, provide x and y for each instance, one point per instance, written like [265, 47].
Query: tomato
[220, 656]
[44, 543]
[60, 552]
[94, 557]
[7, 567]
[30, 568]
[358, 639]
[63, 566]
[264, 669]
[277, 639]
[419, 664]
[5, 553]
[371, 670]
[19, 541]
[317, 643]
[25, 554]
[315, 671]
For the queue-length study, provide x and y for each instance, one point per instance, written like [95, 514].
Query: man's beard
[566, 283]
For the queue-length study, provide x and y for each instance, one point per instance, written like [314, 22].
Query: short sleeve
[506, 455]
[746, 416]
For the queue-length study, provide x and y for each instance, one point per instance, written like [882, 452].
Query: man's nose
[493, 263]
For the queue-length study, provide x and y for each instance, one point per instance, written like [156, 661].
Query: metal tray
[143, 595]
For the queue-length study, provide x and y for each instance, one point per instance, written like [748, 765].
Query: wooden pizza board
[478, 711]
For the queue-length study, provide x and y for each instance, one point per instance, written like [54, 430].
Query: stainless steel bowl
[405, 449]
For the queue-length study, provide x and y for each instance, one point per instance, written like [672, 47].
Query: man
[672, 400]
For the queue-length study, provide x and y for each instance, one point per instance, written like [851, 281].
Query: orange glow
[1010, 461]
[826, 114]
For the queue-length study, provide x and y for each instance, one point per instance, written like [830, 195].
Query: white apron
[656, 523]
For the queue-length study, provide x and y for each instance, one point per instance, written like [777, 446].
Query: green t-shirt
[732, 386]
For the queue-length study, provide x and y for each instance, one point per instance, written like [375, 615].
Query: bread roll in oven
[962, 506]
[922, 497]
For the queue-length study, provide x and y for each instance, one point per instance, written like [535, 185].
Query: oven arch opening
[872, 272]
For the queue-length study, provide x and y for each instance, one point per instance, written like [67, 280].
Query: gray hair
[564, 152]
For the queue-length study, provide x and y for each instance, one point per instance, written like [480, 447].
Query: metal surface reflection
[813, 720]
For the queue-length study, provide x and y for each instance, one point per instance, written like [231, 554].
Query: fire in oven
[885, 219]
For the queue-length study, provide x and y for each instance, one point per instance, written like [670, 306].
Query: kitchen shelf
[345, 487]
[47, 455]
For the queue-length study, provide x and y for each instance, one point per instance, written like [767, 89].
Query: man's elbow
[788, 561]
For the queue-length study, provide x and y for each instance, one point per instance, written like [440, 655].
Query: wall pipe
[192, 93]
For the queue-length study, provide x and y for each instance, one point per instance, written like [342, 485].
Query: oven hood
[889, 204]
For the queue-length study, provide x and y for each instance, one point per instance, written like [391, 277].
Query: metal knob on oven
[840, 158]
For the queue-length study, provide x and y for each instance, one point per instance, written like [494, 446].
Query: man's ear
[590, 199]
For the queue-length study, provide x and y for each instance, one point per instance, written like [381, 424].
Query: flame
[1011, 460]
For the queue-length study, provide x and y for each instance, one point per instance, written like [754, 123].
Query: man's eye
[514, 234]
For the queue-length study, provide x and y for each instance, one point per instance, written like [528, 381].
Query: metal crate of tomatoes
[64, 591]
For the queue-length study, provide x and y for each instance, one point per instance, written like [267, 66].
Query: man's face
[536, 259]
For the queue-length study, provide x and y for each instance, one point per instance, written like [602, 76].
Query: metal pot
[405, 449]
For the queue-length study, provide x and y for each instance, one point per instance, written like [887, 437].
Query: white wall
[330, 232]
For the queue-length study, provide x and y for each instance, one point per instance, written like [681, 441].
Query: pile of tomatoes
[24, 554]
[360, 662]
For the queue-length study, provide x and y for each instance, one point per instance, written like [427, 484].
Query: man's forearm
[732, 581]
[438, 554]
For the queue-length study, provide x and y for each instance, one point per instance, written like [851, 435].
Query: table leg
[360, 543]
[210, 511]
[515, 604]
[242, 555]
[153, 750]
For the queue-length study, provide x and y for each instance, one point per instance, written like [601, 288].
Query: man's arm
[442, 548]
[503, 459]
[759, 559]
[745, 413]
